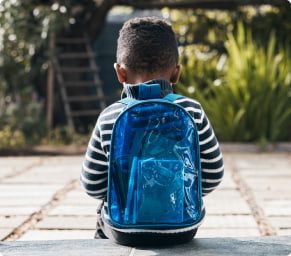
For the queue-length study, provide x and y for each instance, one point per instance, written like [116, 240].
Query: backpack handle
[150, 92]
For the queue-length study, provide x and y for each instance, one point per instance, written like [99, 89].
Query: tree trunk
[94, 15]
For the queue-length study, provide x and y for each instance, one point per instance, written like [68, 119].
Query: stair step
[70, 40]
[82, 84]
[84, 98]
[91, 112]
[76, 55]
[78, 69]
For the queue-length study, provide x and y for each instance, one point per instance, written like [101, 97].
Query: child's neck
[138, 78]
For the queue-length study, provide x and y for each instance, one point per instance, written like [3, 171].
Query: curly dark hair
[147, 45]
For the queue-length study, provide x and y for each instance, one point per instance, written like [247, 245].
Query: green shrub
[63, 135]
[11, 138]
[253, 100]
[200, 67]
[23, 114]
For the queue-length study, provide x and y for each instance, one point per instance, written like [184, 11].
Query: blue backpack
[154, 167]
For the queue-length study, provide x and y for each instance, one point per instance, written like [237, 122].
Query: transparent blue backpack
[154, 168]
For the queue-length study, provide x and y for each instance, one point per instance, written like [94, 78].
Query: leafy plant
[253, 101]
[201, 66]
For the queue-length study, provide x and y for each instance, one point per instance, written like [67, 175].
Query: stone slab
[79, 197]
[18, 161]
[82, 200]
[278, 208]
[205, 232]
[265, 196]
[18, 210]
[76, 222]
[29, 200]
[5, 171]
[270, 172]
[71, 210]
[229, 221]
[259, 183]
[37, 235]
[258, 246]
[39, 178]
[4, 232]
[224, 246]
[284, 232]
[227, 182]
[223, 193]
[46, 175]
[66, 247]
[64, 160]
[77, 193]
[24, 190]
[262, 161]
[12, 221]
[281, 222]
[229, 202]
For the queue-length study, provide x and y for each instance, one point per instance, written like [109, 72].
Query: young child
[147, 53]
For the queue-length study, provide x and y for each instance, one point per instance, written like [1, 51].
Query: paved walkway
[40, 198]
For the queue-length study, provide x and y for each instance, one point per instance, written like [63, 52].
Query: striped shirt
[94, 173]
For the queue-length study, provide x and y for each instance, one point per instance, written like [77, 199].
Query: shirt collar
[131, 90]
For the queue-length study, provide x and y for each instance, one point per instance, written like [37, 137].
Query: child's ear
[120, 72]
[175, 76]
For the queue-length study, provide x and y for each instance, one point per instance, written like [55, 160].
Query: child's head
[147, 47]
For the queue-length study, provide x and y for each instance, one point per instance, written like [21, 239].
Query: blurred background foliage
[236, 63]
[24, 30]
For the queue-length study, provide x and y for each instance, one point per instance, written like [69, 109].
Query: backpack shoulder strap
[172, 97]
[127, 101]
[169, 97]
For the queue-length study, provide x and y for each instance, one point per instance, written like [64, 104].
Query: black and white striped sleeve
[94, 174]
[95, 167]
[210, 155]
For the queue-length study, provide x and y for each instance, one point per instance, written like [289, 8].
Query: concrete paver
[20, 210]
[229, 221]
[226, 202]
[38, 235]
[69, 210]
[28, 184]
[67, 222]
[227, 232]
[8, 190]
[11, 221]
